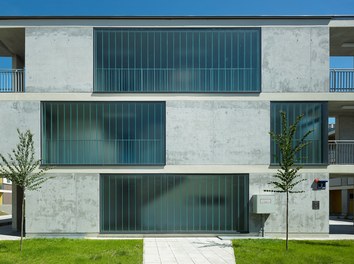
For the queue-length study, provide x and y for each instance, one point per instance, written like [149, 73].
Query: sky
[175, 7]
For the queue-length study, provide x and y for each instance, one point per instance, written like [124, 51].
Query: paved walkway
[341, 226]
[6, 232]
[203, 250]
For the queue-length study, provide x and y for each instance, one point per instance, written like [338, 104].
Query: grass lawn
[72, 251]
[273, 251]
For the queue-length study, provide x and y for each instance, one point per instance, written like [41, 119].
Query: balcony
[12, 81]
[341, 152]
[341, 80]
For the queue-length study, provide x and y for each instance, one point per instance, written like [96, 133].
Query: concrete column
[345, 203]
[14, 207]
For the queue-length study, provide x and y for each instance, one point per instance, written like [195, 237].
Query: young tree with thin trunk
[23, 169]
[287, 176]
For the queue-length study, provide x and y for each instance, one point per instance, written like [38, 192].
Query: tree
[23, 170]
[287, 176]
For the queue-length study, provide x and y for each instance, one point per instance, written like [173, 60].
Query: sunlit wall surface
[315, 118]
[177, 60]
[103, 133]
[174, 203]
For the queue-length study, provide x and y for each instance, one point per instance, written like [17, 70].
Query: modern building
[341, 186]
[5, 196]
[161, 124]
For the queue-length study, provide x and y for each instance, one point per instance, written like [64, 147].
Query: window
[315, 118]
[177, 60]
[103, 133]
[173, 203]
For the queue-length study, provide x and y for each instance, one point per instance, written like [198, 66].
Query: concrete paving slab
[202, 250]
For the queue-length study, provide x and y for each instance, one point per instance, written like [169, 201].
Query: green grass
[72, 251]
[273, 251]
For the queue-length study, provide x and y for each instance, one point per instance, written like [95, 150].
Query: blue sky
[176, 7]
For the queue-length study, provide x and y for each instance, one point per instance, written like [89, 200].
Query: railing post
[12, 80]
[341, 80]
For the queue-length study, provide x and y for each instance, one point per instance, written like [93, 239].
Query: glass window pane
[97, 133]
[314, 119]
[177, 60]
[174, 203]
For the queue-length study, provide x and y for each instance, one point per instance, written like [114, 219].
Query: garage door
[173, 203]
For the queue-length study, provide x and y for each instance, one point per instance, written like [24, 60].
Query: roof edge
[181, 17]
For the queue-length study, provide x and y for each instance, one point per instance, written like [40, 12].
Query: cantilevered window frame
[324, 128]
[161, 162]
[253, 61]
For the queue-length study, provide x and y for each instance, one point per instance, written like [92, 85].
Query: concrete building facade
[118, 106]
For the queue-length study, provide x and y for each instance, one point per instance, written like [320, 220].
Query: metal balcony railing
[341, 80]
[12, 80]
[341, 152]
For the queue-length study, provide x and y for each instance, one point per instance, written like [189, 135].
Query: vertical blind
[177, 60]
[173, 203]
[315, 118]
[103, 133]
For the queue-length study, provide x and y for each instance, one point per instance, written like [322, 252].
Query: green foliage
[287, 176]
[23, 169]
[73, 251]
[20, 166]
[301, 252]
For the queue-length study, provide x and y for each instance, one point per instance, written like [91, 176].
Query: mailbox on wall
[263, 204]
[319, 184]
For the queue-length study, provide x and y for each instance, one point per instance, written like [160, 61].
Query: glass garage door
[157, 203]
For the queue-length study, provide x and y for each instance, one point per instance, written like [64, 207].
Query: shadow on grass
[322, 243]
[3, 248]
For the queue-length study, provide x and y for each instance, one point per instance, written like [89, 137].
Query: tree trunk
[22, 219]
[287, 220]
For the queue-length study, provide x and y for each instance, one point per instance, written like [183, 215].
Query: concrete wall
[22, 115]
[217, 132]
[66, 203]
[302, 218]
[59, 59]
[295, 59]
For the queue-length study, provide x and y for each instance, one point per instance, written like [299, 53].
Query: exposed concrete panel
[66, 203]
[302, 218]
[59, 59]
[22, 115]
[217, 132]
[295, 59]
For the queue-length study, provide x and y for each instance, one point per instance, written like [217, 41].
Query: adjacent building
[5, 196]
[161, 124]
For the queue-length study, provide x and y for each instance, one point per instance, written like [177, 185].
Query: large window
[177, 60]
[103, 133]
[315, 118]
[173, 203]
